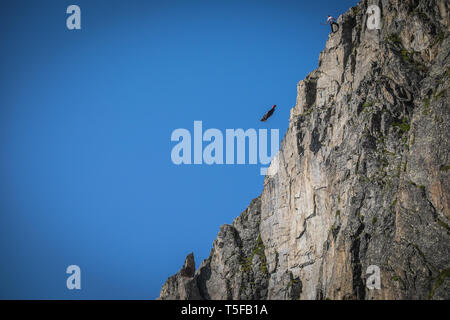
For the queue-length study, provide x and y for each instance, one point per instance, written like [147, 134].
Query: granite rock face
[362, 177]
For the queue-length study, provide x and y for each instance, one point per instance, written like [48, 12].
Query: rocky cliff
[361, 179]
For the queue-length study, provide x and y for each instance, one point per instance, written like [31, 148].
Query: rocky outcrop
[235, 269]
[182, 286]
[362, 176]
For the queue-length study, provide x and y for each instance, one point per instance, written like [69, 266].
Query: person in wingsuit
[269, 113]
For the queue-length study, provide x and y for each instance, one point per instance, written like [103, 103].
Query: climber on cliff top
[332, 21]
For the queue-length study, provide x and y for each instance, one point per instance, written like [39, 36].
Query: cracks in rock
[307, 263]
[277, 258]
[303, 231]
[312, 215]
[355, 252]
[316, 143]
[435, 213]
[347, 30]
[358, 284]
[290, 194]
[314, 208]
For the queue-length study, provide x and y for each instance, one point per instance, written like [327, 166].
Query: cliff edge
[362, 175]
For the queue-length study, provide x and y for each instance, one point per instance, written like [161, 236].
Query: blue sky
[85, 123]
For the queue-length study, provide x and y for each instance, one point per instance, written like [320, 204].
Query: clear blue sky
[85, 124]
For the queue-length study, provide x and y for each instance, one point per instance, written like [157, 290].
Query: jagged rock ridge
[362, 176]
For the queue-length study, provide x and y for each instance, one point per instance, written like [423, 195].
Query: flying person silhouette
[268, 114]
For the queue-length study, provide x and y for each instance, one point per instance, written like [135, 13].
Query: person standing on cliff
[332, 21]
